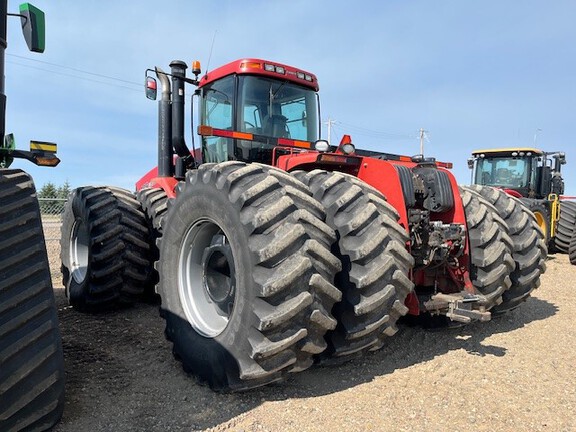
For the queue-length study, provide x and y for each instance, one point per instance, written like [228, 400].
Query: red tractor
[272, 248]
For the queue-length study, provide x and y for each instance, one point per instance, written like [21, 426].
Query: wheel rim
[541, 221]
[79, 250]
[206, 280]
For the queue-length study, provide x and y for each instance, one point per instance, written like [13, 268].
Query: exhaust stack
[165, 152]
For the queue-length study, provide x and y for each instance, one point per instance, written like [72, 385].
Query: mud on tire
[529, 246]
[31, 360]
[105, 248]
[246, 275]
[375, 263]
[491, 247]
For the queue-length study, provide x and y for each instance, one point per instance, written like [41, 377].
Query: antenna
[422, 136]
[210, 55]
[536, 135]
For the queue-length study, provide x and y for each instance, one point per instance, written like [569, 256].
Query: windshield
[505, 171]
[275, 109]
[267, 108]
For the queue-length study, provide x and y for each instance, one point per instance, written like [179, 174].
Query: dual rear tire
[491, 248]
[105, 249]
[371, 245]
[246, 275]
[528, 245]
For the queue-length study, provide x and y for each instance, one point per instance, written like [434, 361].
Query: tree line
[52, 196]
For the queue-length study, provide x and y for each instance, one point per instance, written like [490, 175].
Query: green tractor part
[534, 176]
[31, 355]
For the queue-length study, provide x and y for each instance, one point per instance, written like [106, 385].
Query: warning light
[196, 67]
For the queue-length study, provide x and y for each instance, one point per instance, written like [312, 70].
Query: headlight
[348, 148]
[322, 146]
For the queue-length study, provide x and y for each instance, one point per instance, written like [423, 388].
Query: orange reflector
[250, 65]
[242, 135]
[447, 165]
[294, 143]
[405, 158]
[48, 160]
[205, 130]
[332, 158]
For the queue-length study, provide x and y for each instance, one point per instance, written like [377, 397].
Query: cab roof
[507, 151]
[253, 66]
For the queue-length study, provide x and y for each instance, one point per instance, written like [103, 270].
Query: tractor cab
[247, 108]
[250, 106]
[528, 172]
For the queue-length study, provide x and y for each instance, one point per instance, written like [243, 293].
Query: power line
[75, 76]
[74, 69]
[376, 134]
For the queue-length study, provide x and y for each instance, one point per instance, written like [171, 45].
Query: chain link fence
[51, 210]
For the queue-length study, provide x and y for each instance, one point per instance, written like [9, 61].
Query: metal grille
[51, 210]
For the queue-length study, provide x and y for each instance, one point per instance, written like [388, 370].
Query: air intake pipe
[178, 72]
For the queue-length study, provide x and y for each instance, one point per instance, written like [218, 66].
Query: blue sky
[473, 74]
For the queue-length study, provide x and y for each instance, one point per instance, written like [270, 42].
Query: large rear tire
[491, 261]
[154, 202]
[572, 249]
[565, 228]
[541, 213]
[31, 359]
[246, 275]
[529, 246]
[375, 263]
[105, 249]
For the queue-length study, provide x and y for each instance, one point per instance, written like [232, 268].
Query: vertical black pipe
[165, 152]
[3, 46]
[178, 71]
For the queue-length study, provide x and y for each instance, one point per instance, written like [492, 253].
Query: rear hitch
[458, 307]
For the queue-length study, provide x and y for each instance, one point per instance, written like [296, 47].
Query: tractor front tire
[491, 261]
[245, 276]
[375, 263]
[529, 246]
[31, 358]
[105, 249]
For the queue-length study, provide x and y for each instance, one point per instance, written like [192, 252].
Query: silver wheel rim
[79, 250]
[206, 281]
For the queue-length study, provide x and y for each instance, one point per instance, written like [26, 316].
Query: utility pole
[422, 136]
[329, 124]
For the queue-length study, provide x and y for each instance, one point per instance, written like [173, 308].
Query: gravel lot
[515, 373]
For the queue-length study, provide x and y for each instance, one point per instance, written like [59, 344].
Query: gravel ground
[514, 373]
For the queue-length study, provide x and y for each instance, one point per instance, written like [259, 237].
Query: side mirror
[470, 163]
[151, 88]
[33, 27]
[6, 148]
